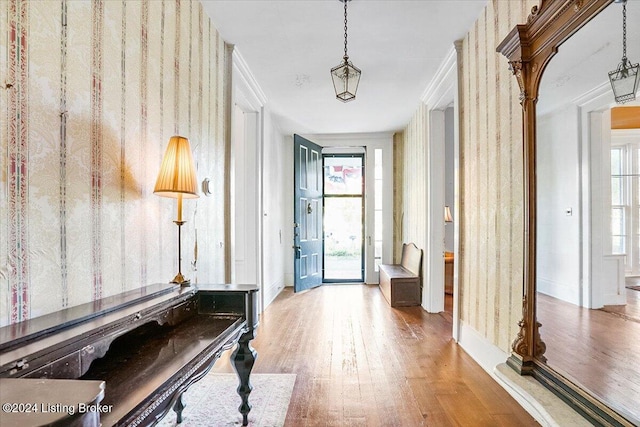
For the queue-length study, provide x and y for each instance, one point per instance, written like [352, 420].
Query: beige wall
[411, 151]
[491, 191]
[398, 184]
[491, 235]
[91, 107]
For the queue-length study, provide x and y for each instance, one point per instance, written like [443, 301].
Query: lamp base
[181, 280]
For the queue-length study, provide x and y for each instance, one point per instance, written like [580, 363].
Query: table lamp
[177, 179]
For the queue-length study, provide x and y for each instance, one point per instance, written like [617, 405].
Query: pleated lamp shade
[178, 172]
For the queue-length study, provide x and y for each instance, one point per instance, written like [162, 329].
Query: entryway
[343, 218]
[342, 224]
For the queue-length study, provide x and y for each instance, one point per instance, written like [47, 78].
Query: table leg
[243, 359]
[177, 408]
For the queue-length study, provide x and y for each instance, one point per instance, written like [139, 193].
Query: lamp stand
[180, 279]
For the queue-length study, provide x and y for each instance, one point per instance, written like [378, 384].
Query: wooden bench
[400, 283]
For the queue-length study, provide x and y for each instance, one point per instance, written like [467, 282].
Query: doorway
[343, 199]
[374, 182]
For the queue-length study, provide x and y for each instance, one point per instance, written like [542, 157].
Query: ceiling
[290, 46]
[584, 61]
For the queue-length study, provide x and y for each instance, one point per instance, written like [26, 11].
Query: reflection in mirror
[588, 215]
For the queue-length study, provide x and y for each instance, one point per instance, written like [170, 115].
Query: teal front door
[307, 211]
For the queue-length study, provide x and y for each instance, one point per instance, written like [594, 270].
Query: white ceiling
[290, 46]
[584, 61]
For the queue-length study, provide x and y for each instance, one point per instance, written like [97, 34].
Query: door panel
[307, 214]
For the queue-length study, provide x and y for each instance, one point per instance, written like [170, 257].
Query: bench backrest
[411, 258]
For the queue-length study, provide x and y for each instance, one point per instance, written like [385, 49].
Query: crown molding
[248, 79]
[439, 93]
[602, 90]
[353, 136]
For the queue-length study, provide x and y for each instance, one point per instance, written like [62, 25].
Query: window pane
[616, 191]
[378, 225]
[378, 164]
[378, 194]
[616, 161]
[343, 238]
[618, 244]
[617, 221]
[343, 175]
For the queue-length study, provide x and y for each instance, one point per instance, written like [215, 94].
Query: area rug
[213, 401]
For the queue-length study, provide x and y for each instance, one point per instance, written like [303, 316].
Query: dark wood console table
[128, 358]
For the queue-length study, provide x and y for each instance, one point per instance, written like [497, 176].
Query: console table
[129, 357]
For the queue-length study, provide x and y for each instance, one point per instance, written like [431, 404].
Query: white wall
[558, 178]
[244, 200]
[262, 158]
[287, 188]
[277, 161]
[449, 174]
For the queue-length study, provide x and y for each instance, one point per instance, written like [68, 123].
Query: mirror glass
[588, 215]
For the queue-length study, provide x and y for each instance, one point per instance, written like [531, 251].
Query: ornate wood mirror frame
[529, 48]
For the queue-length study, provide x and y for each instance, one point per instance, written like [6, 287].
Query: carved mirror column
[529, 47]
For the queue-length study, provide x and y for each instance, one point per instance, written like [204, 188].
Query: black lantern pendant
[345, 76]
[625, 79]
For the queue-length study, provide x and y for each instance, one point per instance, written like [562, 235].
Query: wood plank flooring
[361, 363]
[629, 311]
[596, 349]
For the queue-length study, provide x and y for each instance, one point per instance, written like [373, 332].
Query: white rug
[213, 401]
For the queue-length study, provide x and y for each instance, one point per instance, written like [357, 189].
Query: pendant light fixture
[345, 76]
[624, 80]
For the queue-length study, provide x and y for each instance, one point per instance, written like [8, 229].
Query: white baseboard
[288, 280]
[271, 292]
[486, 354]
[547, 409]
[561, 291]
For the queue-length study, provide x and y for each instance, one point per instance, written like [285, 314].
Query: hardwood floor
[595, 348]
[630, 311]
[361, 363]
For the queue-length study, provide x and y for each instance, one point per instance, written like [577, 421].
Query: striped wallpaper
[95, 90]
[412, 145]
[491, 190]
[491, 234]
[398, 184]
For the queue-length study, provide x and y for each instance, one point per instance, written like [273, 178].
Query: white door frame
[602, 273]
[248, 97]
[439, 95]
[370, 142]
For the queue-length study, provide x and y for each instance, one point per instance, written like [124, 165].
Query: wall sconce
[177, 179]
[206, 187]
[447, 214]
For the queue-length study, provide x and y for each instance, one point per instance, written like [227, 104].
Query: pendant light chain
[625, 80]
[345, 30]
[345, 76]
[624, 31]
